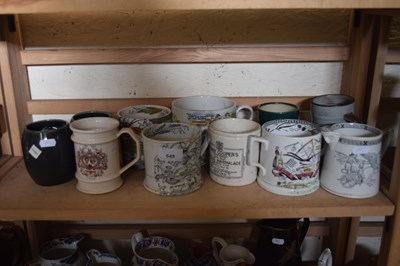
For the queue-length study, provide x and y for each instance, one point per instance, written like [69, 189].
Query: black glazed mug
[49, 152]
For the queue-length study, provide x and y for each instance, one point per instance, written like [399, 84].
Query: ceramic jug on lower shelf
[231, 255]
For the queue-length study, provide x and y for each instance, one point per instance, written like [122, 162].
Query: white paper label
[278, 241]
[171, 154]
[45, 143]
[360, 149]
[34, 151]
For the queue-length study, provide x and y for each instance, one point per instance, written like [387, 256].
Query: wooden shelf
[53, 6]
[22, 199]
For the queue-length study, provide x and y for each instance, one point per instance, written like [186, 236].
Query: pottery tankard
[153, 251]
[172, 154]
[228, 151]
[352, 160]
[231, 254]
[289, 156]
[97, 152]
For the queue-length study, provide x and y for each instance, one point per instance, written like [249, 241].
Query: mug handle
[331, 138]
[245, 107]
[130, 132]
[217, 244]
[206, 140]
[136, 238]
[251, 141]
[92, 255]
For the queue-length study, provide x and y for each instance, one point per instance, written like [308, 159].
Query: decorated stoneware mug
[228, 151]
[137, 117]
[352, 160]
[97, 153]
[153, 251]
[289, 162]
[202, 110]
[172, 154]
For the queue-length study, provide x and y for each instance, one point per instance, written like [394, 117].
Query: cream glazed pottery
[203, 109]
[228, 151]
[352, 160]
[232, 254]
[97, 153]
[172, 154]
[289, 162]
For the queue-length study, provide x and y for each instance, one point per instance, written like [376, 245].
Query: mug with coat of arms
[97, 154]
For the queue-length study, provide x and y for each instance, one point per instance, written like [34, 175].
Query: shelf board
[22, 199]
[54, 6]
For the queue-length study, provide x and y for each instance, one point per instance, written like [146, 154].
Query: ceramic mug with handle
[97, 153]
[289, 162]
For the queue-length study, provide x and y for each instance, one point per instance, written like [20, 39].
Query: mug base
[179, 190]
[349, 194]
[99, 187]
[312, 187]
[232, 182]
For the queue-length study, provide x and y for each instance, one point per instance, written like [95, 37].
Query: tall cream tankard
[97, 153]
[352, 161]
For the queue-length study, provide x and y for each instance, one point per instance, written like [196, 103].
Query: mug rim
[73, 126]
[150, 139]
[376, 131]
[63, 123]
[177, 103]
[257, 127]
[316, 129]
[297, 109]
[121, 113]
[89, 112]
[348, 100]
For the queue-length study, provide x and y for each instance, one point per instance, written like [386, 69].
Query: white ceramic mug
[232, 254]
[172, 154]
[202, 110]
[228, 151]
[351, 166]
[137, 117]
[97, 153]
[289, 157]
[153, 251]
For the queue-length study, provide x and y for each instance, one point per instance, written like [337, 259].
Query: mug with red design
[97, 154]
